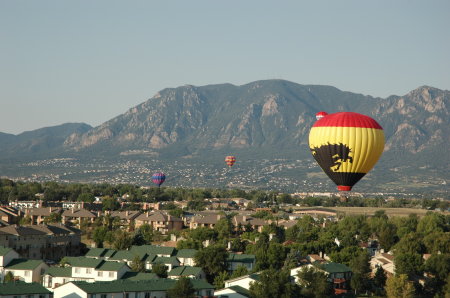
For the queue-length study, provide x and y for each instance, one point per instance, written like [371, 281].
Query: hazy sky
[88, 61]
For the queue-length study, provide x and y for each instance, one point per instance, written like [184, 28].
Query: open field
[372, 210]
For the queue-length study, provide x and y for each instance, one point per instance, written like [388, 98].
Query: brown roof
[157, 216]
[56, 229]
[244, 220]
[78, 213]
[209, 219]
[126, 214]
[44, 211]
[388, 256]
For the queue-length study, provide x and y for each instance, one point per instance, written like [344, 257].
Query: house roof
[135, 276]
[185, 271]
[22, 288]
[254, 276]
[186, 253]
[100, 253]
[128, 255]
[153, 250]
[44, 211]
[241, 258]
[110, 266]
[125, 214]
[120, 286]
[59, 271]
[166, 260]
[334, 267]
[78, 213]
[4, 250]
[240, 290]
[54, 229]
[83, 262]
[23, 264]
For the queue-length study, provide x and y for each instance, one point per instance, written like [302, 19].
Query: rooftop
[185, 271]
[23, 264]
[22, 288]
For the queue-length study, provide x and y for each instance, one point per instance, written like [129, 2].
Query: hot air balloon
[158, 178]
[320, 115]
[346, 145]
[230, 160]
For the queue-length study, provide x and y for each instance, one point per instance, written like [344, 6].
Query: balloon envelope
[321, 114]
[230, 160]
[158, 178]
[346, 145]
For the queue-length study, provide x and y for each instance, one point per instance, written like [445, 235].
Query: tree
[143, 235]
[274, 284]
[314, 283]
[182, 289]
[63, 262]
[110, 204]
[224, 228]
[86, 197]
[240, 271]
[276, 254]
[9, 277]
[137, 265]
[99, 236]
[399, 286]
[361, 268]
[219, 280]
[212, 260]
[160, 270]
[123, 240]
[409, 264]
[53, 218]
[379, 280]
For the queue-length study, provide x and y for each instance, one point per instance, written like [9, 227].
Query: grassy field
[388, 211]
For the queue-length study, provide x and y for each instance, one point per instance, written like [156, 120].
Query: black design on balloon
[331, 156]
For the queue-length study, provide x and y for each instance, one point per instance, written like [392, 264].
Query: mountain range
[263, 119]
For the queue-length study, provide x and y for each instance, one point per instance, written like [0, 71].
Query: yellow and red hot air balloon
[321, 114]
[230, 160]
[346, 145]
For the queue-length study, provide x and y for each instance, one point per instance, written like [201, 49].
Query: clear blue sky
[88, 61]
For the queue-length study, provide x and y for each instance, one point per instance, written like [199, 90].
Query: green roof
[4, 250]
[23, 264]
[186, 253]
[22, 288]
[59, 271]
[135, 276]
[127, 255]
[185, 271]
[110, 266]
[166, 260]
[241, 258]
[153, 250]
[100, 253]
[240, 290]
[334, 267]
[83, 262]
[120, 286]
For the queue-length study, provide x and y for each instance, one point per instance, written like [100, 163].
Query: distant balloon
[346, 145]
[320, 115]
[230, 160]
[158, 178]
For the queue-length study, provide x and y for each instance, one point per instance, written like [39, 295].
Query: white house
[242, 281]
[232, 292]
[26, 270]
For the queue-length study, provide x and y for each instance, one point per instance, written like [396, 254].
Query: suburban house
[232, 292]
[6, 256]
[186, 256]
[383, 260]
[18, 289]
[236, 260]
[100, 253]
[75, 216]
[26, 270]
[126, 217]
[160, 221]
[256, 224]
[186, 271]
[123, 289]
[42, 241]
[208, 221]
[338, 274]
[38, 215]
[242, 281]
[9, 215]
[84, 269]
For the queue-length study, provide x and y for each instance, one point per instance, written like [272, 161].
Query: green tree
[99, 236]
[9, 277]
[212, 260]
[86, 197]
[110, 204]
[143, 235]
[160, 270]
[379, 279]
[224, 228]
[219, 280]
[409, 264]
[240, 271]
[314, 283]
[182, 289]
[274, 284]
[431, 222]
[361, 268]
[276, 254]
[399, 286]
[137, 265]
[122, 240]
[53, 218]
